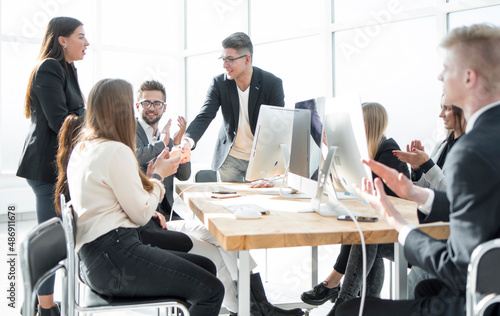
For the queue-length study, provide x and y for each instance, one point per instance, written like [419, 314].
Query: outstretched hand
[395, 180]
[263, 183]
[378, 201]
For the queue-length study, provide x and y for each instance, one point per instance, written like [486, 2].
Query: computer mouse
[247, 214]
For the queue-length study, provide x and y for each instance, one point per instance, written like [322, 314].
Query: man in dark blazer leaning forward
[239, 93]
[471, 203]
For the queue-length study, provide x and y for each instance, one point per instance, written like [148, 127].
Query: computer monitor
[346, 141]
[272, 141]
[303, 173]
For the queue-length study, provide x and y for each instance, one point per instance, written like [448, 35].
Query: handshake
[176, 151]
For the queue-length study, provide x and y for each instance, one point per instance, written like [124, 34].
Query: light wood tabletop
[289, 224]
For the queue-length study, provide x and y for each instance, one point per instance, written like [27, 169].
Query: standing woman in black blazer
[53, 93]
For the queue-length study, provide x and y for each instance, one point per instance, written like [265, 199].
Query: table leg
[401, 273]
[243, 283]
[314, 265]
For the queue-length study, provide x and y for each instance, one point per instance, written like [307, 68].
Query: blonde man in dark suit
[471, 203]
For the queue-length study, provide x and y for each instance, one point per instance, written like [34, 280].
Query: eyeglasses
[147, 104]
[230, 61]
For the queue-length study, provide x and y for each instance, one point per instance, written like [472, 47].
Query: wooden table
[289, 225]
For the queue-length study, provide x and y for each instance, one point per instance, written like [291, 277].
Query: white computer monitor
[303, 173]
[272, 141]
[346, 142]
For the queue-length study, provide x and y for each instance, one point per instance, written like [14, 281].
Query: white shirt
[244, 138]
[149, 131]
[106, 190]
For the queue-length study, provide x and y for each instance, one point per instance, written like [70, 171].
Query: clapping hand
[164, 165]
[414, 155]
[181, 123]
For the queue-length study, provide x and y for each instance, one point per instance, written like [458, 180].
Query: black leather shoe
[320, 294]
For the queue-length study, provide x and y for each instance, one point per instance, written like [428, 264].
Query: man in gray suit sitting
[239, 93]
[150, 140]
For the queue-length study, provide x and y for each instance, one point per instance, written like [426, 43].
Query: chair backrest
[483, 279]
[206, 176]
[91, 300]
[69, 224]
[41, 253]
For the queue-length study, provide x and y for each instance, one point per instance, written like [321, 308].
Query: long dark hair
[59, 26]
[68, 136]
[458, 116]
[109, 116]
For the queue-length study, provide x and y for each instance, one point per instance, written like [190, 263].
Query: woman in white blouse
[112, 197]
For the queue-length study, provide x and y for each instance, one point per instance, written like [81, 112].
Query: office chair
[207, 175]
[83, 299]
[483, 279]
[42, 253]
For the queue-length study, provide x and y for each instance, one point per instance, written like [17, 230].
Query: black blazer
[55, 94]
[265, 88]
[471, 204]
[147, 152]
[385, 156]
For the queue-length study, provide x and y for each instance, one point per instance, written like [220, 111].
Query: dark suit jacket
[265, 88]
[472, 206]
[55, 94]
[385, 156]
[147, 152]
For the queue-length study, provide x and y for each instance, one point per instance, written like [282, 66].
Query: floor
[286, 274]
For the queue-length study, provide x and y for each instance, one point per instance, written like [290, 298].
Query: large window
[384, 50]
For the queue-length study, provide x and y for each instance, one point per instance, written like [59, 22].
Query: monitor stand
[289, 193]
[333, 207]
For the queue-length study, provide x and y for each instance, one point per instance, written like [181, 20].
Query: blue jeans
[45, 210]
[119, 264]
[232, 170]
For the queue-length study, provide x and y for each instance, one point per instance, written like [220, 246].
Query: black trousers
[119, 264]
[432, 298]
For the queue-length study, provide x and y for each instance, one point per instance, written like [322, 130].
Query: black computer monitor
[303, 171]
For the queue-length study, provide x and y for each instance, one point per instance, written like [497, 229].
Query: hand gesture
[164, 165]
[398, 182]
[177, 151]
[378, 201]
[150, 169]
[415, 158]
[181, 123]
[165, 132]
[157, 216]
[415, 144]
[263, 183]
[185, 145]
